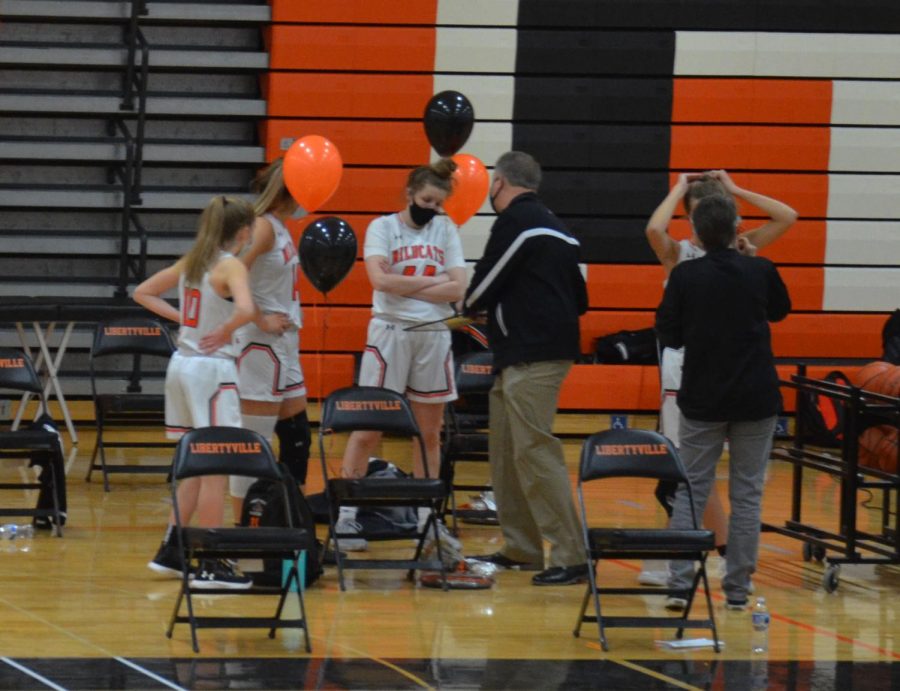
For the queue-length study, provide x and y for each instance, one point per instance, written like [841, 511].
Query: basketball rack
[849, 544]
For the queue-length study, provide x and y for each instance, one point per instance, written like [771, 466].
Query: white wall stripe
[478, 12]
[491, 97]
[861, 290]
[863, 196]
[865, 103]
[875, 243]
[865, 150]
[475, 50]
[762, 54]
[488, 141]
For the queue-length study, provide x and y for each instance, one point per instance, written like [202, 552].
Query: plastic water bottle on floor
[16, 538]
[760, 616]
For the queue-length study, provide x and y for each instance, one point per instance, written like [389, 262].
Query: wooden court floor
[84, 612]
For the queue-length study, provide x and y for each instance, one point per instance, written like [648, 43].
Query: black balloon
[327, 252]
[449, 118]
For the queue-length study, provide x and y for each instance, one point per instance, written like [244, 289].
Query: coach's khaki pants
[528, 471]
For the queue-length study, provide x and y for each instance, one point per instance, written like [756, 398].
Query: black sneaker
[167, 560]
[218, 573]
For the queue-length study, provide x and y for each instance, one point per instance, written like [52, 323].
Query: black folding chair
[465, 435]
[382, 410]
[639, 454]
[129, 407]
[18, 376]
[236, 451]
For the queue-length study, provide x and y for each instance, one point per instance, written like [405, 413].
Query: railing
[134, 88]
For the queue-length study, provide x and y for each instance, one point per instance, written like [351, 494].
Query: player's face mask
[421, 215]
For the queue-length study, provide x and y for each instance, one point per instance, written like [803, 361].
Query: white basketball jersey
[687, 250]
[202, 310]
[273, 276]
[429, 251]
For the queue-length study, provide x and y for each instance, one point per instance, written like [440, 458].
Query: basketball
[878, 448]
[888, 382]
[866, 376]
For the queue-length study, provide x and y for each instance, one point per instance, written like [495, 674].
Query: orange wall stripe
[361, 142]
[640, 286]
[804, 243]
[636, 387]
[358, 48]
[325, 373]
[828, 336]
[610, 387]
[736, 147]
[355, 11]
[807, 193]
[752, 100]
[359, 223]
[336, 328]
[353, 290]
[379, 190]
[318, 95]
[624, 285]
[800, 335]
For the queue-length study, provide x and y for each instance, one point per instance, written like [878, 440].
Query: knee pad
[294, 439]
[263, 425]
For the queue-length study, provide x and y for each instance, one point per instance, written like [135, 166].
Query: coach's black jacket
[529, 282]
[719, 308]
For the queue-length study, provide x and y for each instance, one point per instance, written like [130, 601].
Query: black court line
[676, 671]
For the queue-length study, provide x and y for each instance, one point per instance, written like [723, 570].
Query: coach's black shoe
[561, 575]
[504, 562]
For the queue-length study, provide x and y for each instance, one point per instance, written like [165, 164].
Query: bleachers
[61, 190]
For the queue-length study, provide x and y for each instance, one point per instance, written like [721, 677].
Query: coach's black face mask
[421, 215]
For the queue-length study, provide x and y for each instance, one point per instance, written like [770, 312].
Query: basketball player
[201, 379]
[689, 189]
[273, 393]
[415, 264]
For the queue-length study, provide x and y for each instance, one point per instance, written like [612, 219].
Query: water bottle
[18, 537]
[760, 641]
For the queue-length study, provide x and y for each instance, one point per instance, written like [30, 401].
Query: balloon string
[322, 342]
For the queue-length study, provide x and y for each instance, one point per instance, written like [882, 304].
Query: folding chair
[382, 410]
[465, 438]
[639, 454]
[129, 407]
[235, 451]
[17, 374]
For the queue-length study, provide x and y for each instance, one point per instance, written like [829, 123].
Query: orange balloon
[312, 171]
[470, 187]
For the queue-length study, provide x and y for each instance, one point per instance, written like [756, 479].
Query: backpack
[264, 506]
[890, 339]
[43, 460]
[823, 416]
[387, 519]
[627, 347]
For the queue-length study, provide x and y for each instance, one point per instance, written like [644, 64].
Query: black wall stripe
[612, 240]
[586, 99]
[595, 52]
[595, 147]
[843, 16]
